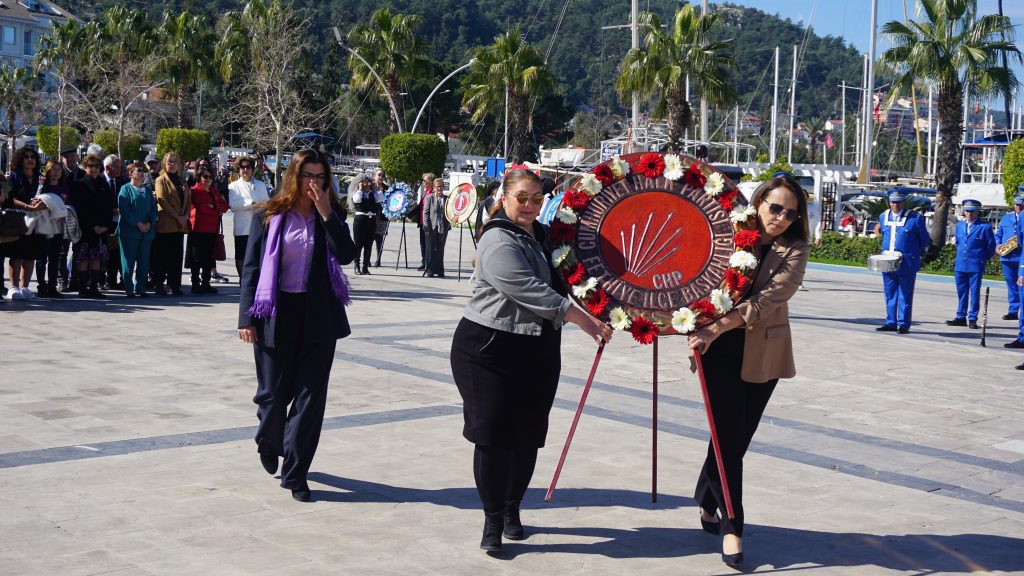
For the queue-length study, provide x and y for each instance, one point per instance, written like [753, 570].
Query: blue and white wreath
[397, 201]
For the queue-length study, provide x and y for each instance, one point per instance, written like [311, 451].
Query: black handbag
[12, 223]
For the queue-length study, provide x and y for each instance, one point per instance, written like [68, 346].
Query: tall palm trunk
[947, 171]
[680, 115]
[519, 149]
[179, 101]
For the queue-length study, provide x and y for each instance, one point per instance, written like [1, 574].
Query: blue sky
[851, 19]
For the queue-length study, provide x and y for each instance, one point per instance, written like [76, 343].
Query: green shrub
[1013, 169]
[131, 144]
[47, 138]
[188, 144]
[835, 247]
[778, 166]
[406, 157]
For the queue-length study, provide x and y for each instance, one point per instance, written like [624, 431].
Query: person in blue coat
[1010, 226]
[1018, 342]
[902, 231]
[975, 245]
[135, 230]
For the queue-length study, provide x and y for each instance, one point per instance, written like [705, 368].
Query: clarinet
[984, 318]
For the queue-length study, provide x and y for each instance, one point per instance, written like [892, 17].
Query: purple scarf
[265, 304]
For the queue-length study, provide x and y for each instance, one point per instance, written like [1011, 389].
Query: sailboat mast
[865, 169]
[775, 111]
[635, 38]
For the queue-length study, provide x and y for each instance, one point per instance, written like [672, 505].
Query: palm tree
[511, 70]
[187, 43]
[391, 46]
[662, 64]
[951, 47]
[62, 54]
[18, 95]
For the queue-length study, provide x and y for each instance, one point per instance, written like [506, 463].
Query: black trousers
[435, 252]
[114, 260]
[736, 406]
[200, 256]
[502, 475]
[49, 266]
[240, 244]
[363, 230]
[168, 258]
[291, 394]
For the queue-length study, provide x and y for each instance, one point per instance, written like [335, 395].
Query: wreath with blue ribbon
[397, 200]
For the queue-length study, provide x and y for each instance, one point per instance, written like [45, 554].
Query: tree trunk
[947, 170]
[680, 116]
[519, 148]
[179, 101]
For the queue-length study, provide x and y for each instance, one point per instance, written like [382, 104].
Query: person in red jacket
[207, 206]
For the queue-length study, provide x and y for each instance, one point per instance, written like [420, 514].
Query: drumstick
[984, 319]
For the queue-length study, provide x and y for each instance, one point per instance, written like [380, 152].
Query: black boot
[513, 525]
[494, 524]
[95, 279]
[207, 273]
[197, 287]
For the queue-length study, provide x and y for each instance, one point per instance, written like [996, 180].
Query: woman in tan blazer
[746, 351]
[173, 207]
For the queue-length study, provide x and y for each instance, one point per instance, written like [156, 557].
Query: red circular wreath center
[655, 241]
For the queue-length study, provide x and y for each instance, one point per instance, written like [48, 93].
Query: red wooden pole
[714, 436]
[575, 420]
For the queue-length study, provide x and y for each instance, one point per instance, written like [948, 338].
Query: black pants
[48, 267]
[240, 244]
[62, 264]
[200, 256]
[435, 252]
[295, 373]
[167, 258]
[363, 229]
[378, 239]
[736, 406]
[113, 261]
[502, 475]
[423, 246]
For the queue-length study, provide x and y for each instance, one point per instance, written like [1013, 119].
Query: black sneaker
[493, 527]
[1014, 344]
[957, 322]
[513, 525]
[903, 330]
[160, 290]
[973, 325]
[1010, 316]
[886, 328]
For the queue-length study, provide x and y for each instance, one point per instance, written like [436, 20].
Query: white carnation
[684, 321]
[583, 289]
[558, 255]
[673, 167]
[741, 214]
[720, 298]
[590, 184]
[743, 260]
[714, 184]
[566, 216]
[619, 319]
[619, 166]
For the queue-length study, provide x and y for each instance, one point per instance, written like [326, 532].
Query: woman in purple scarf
[292, 310]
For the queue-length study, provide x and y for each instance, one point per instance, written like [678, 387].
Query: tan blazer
[768, 348]
[169, 205]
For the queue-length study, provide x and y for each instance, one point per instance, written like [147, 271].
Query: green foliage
[406, 157]
[131, 144]
[188, 144]
[47, 138]
[838, 248]
[1013, 169]
[780, 165]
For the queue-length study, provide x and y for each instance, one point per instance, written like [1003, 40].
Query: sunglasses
[787, 213]
[93, 166]
[523, 198]
[245, 167]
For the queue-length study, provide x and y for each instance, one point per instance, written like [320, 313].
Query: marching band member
[975, 244]
[902, 231]
[1010, 226]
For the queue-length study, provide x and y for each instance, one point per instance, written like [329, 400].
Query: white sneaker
[15, 294]
[27, 294]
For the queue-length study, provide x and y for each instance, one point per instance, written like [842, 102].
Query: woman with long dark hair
[745, 352]
[24, 251]
[506, 355]
[292, 309]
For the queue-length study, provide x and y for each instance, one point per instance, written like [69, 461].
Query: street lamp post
[434, 91]
[394, 109]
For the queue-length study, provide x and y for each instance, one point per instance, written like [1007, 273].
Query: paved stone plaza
[126, 445]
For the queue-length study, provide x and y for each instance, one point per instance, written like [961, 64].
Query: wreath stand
[462, 232]
[654, 427]
[403, 246]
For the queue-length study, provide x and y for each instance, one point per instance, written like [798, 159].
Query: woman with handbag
[135, 230]
[24, 251]
[171, 225]
[207, 206]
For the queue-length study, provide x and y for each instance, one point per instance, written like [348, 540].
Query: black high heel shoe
[733, 560]
[711, 527]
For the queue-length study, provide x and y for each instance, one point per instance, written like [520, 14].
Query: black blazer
[325, 316]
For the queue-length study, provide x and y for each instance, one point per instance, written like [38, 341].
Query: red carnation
[725, 200]
[562, 232]
[746, 239]
[576, 200]
[704, 308]
[651, 165]
[736, 281]
[598, 302]
[575, 275]
[643, 330]
[604, 174]
[694, 177]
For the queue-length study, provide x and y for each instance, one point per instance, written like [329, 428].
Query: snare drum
[885, 262]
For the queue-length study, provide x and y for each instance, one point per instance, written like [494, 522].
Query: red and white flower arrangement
[646, 325]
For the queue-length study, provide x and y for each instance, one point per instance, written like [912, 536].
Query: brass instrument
[1007, 247]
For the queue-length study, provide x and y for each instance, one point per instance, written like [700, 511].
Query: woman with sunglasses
[505, 354]
[745, 352]
[135, 230]
[243, 193]
[173, 207]
[292, 309]
[207, 206]
[94, 205]
[24, 251]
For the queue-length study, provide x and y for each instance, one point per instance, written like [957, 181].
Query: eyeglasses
[245, 167]
[93, 166]
[523, 198]
[319, 177]
[787, 213]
